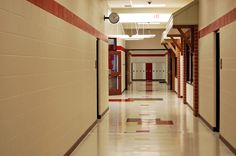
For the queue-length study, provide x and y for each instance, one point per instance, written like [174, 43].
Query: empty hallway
[117, 77]
[151, 123]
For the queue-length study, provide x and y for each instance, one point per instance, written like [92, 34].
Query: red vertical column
[185, 72]
[195, 72]
[173, 70]
[178, 72]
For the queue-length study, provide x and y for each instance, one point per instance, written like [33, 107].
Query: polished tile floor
[149, 120]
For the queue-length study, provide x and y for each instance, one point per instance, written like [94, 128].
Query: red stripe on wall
[120, 48]
[63, 13]
[219, 23]
[148, 55]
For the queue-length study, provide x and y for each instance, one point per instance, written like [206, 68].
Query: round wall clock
[113, 18]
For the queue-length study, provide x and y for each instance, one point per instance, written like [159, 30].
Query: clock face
[114, 18]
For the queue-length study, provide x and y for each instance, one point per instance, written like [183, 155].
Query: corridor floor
[149, 120]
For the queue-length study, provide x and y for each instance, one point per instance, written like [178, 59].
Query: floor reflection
[150, 127]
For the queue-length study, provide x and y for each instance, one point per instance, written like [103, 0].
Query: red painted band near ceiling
[219, 23]
[63, 13]
[148, 55]
[120, 48]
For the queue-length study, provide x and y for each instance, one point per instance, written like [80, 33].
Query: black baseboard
[189, 105]
[76, 144]
[231, 147]
[207, 123]
[100, 116]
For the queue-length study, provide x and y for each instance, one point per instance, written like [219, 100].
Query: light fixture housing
[149, 6]
[149, 23]
[133, 37]
[144, 17]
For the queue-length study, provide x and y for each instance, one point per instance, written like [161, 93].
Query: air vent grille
[127, 5]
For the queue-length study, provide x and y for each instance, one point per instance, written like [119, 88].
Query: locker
[139, 71]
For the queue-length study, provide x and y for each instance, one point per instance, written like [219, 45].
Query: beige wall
[211, 10]
[189, 94]
[92, 11]
[176, 84]
[228, 83]
[207, 80]
[103, 76]
[47, 77]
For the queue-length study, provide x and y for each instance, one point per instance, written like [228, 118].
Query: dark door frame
[97, 77]
[217, 46]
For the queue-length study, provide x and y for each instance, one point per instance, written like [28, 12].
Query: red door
[114, 73]
[148, 71]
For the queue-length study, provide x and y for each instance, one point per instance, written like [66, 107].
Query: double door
[114, 73]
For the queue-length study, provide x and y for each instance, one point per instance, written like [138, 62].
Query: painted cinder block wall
[210, 11]
[47, 76]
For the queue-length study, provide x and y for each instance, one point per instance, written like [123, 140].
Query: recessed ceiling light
[150, 23]
[144, 36]
[149, 5]
[133, 37]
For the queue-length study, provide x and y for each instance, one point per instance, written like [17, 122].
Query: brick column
[178, 72]
[185, 72]
[195, 72]
[173, 70]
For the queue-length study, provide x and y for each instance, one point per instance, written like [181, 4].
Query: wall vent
[127, 5]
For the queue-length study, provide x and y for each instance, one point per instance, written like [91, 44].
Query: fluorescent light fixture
[133, 37]
[144, 17]
[150, 23]
[119, 36]
[144, 36]
[149, 6]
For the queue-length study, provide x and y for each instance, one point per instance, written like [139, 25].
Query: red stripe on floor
[143, 131]
[121, 100]
[162, 122]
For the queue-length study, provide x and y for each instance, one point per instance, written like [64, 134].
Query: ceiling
[158, 7]
[144, 3]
